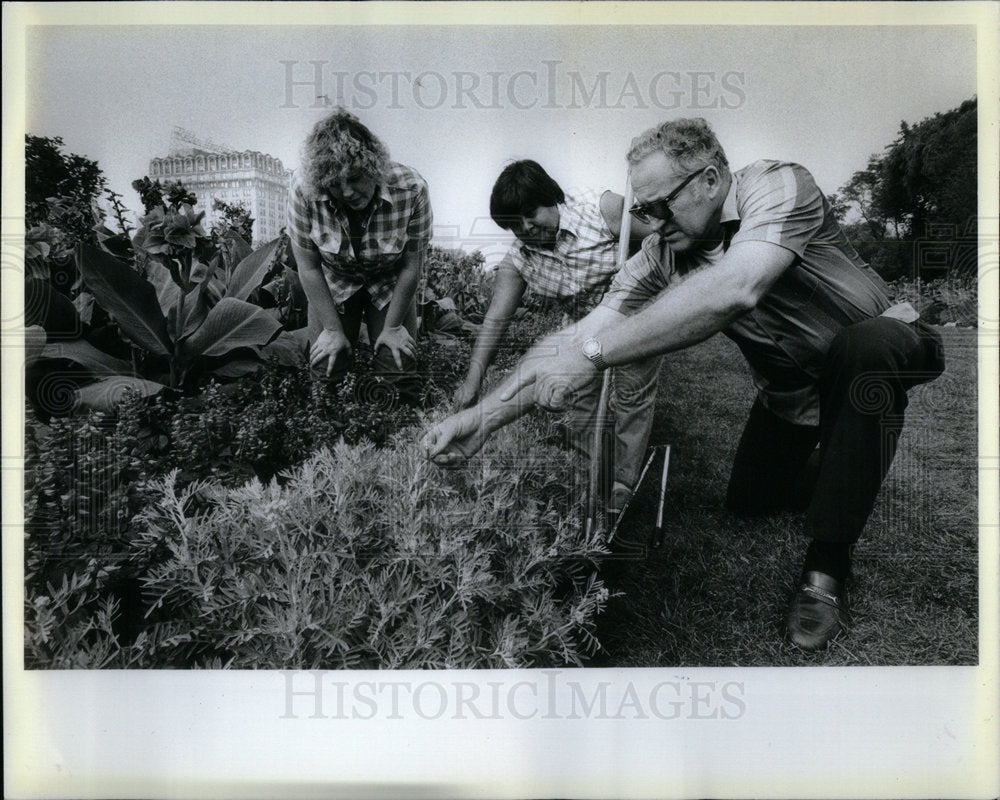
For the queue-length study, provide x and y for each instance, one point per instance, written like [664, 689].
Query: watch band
[592, 350]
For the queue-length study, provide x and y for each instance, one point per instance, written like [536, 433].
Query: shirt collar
[384, 195]
[564, 212]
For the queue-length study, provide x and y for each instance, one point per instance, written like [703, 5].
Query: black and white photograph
[500, 399]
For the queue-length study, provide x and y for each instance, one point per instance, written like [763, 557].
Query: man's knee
[744, 499]
[868, 346]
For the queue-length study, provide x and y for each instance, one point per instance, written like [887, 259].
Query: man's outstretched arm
[698, 307]
[461, 435]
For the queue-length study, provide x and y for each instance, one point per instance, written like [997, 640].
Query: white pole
[596, 458]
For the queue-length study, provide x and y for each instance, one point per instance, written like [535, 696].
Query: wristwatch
[592, 350]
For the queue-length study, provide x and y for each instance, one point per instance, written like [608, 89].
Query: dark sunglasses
[660, 209]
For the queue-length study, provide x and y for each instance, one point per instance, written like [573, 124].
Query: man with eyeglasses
[757, 255]
[566, 250]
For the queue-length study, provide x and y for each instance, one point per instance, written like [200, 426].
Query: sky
[458, 102]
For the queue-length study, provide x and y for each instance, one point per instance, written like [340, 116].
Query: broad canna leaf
[269, 293]
[197, 302]
[214, 289]
[107, 394]
[167, 292]
[231, 324]
[85, 354]
[117, 244]
[196, 309]
[290, 348]
[233, 250]
[130, 299]
[201, 271]
[55, 312]
[251, 271]
[237, 368]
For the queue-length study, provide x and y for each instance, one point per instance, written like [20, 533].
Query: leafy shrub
[85, 482]
[71, 626]
[361, 560]
[459, 276]
[373, 562]
[263, 425]
[952, 300]
[60, 188]
[87, 474]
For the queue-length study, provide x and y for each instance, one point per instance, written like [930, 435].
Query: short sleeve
[299, 216]
[513, 259]
[638, 281]
[781, 204]
[421, 222]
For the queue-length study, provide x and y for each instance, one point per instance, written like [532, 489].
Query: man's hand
[467, 394]
[398, 340]
[555, 379]
[328, 345]
[454, 439]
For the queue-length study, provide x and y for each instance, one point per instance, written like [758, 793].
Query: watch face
[591, 348]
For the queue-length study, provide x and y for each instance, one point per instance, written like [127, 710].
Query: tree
[923, 187]
[48, 172]
[839, 206]
[235, 218]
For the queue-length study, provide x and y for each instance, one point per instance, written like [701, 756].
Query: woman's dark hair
[522, 187]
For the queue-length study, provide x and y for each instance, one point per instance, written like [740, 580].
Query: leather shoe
[817, 613]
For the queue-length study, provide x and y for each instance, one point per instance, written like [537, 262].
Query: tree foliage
[920, 192]
[233, 218]
[48, 172]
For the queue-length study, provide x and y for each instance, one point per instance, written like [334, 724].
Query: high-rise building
[214, 172]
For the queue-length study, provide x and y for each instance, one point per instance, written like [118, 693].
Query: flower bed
[361, 558]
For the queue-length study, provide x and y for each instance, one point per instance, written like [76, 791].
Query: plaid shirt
[401, 214]
[584, 259]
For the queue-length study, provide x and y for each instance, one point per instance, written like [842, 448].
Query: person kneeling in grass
[567, 250]
[758, 255]
[359, 226]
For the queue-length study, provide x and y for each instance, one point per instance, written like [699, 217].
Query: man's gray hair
[689, 142]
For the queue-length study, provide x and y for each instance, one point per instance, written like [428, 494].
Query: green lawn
[716, 593]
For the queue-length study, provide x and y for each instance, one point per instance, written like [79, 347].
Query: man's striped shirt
[785, 338]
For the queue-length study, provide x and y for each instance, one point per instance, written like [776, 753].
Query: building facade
[257, 181]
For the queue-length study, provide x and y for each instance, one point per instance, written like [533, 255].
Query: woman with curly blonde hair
[359, 226]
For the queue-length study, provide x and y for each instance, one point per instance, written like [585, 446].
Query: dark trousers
[389, 383]
[869, 368]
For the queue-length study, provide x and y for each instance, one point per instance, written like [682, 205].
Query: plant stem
[175, 372]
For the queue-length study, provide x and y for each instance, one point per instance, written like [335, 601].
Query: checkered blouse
[585, 256]
[402, 214]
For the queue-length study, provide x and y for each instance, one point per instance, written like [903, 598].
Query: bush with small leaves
[366, 560]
